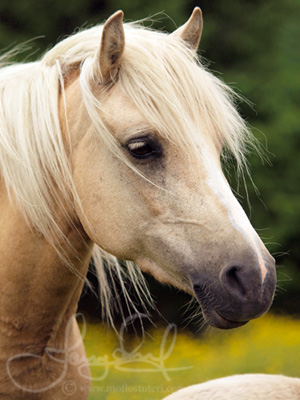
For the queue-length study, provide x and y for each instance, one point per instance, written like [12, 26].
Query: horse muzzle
[238, 295]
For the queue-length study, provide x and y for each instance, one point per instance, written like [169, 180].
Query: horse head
[147, 126]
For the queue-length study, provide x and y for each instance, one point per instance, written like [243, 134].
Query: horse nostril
[235, 281]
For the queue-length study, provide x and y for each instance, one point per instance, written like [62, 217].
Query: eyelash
[143, 148]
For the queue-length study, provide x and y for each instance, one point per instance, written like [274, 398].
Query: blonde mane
[165, 81]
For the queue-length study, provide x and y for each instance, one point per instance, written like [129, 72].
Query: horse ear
[191, 31]
[112, 46]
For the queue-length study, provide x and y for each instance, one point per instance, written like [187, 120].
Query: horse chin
[213, 318]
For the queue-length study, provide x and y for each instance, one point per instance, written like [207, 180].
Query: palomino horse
[243, 387]
[113, 139]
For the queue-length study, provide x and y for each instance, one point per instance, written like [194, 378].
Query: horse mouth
[213, 318]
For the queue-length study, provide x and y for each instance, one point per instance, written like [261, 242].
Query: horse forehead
[120, 113]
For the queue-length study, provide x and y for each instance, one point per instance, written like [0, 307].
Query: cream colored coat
[242, 387]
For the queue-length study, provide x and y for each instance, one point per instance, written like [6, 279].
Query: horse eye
[143, 148]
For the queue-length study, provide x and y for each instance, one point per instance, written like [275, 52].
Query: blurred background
[253, 45]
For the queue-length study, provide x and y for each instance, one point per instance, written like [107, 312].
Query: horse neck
[38, 292]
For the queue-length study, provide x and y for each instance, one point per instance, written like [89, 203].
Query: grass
[166, 361]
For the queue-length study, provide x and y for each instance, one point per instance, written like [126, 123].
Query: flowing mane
[34, 162]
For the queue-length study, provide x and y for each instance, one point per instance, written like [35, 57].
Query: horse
[110, 148]
[242, 387]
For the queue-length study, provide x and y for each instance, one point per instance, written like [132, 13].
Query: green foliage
[267, 345]
[255, 45]
[272, 83]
